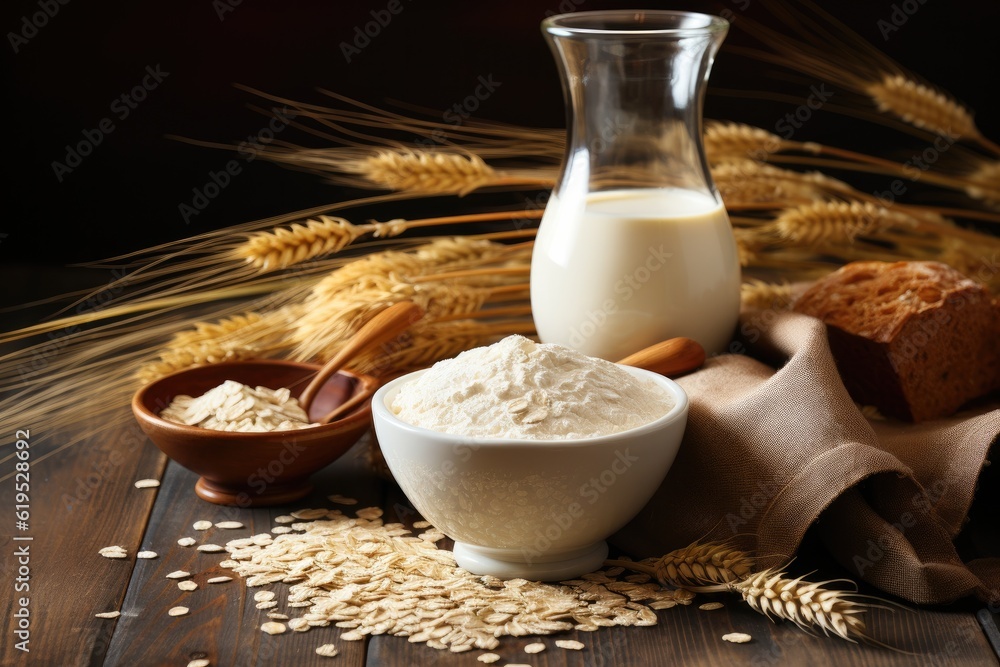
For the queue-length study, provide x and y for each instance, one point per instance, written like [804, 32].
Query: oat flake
[229, 525]
[187, 585]
[178, 611]
[537, 647]
[202, 525]
[711, 606]
[178, 574]
[737, 637]
[327, 650]
[113, 552]
[219, 580]
[199, 662]
[273, 628]
[146, 554]
[186, 541]
[210, 548]
[147, 483]
[488, 658]
[108, 614]
[570, 644]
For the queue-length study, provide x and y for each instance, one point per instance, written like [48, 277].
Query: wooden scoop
[382, 328]
[672, 357]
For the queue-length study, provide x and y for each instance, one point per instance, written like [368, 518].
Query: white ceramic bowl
[537, 509]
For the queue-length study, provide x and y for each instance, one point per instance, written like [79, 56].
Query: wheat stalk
[284, 246]
[809, 605]
[985, 183]
[745, 183]
[922, 106]
[697, 564]
[831, 221]
[206, 331]
[716, 567]
[759, 295]
[726, 141]
[429, 172]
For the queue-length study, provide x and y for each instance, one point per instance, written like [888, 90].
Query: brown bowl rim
[360, 414]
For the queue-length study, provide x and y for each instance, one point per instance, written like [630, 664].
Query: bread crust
[915, 339]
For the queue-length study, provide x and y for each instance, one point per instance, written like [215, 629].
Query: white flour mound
[519, 389]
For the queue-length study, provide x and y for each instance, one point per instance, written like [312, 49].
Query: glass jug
[635, 245]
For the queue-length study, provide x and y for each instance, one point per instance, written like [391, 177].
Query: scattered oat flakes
[352, 636]
[422, 525]
[267, 605]
[263, 596]
[284, 518]
[570, 644]
[113, 552]
[711, 606]
[146, 554]
[536, 647]
[147, 483]
[229, 525]
[187, 585]
[199, 662]
[202, 525]
[178, 574]
[177, 611]
[108, 614]
[342, 500]
[273, 628]
[737, 637]
[219, 580]
[186, 541]
[327, 651]
[210, 548]
[488, 658]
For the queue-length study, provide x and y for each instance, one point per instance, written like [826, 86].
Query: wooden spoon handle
[675, 356]
[349, 404]
[383, 327]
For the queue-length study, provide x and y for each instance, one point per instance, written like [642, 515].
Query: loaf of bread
[915, 339]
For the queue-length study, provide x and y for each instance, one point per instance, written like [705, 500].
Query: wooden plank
[82, 499]
[224, 623]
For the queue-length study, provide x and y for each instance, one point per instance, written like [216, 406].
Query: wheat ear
[759, 295]
[727, 141]
[810, 606]
[828, 221]
[428, 172]
[284, 246]
[697, 564]
[922, 106]
[985, 183]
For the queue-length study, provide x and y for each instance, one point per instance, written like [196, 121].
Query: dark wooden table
[83, 498]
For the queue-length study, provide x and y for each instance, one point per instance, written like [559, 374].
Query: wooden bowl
[254, 469]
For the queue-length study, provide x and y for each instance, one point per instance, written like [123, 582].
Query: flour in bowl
[520, 389]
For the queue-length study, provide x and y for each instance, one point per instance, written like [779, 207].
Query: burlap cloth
[774, 443]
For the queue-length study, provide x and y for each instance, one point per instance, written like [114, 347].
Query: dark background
[125, 196]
